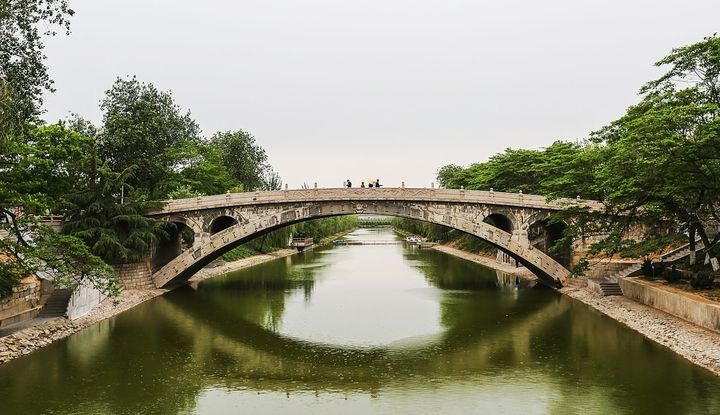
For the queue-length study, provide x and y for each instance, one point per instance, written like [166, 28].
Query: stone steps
[610, 288]
[631, 268]
[56, 305]
[668, 258]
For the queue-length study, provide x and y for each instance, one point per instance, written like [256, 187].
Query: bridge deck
[370, 195]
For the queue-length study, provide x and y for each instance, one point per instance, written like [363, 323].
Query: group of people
[348, 183]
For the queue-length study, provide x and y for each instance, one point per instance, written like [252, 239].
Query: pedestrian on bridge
[377, 182]
[362, 184]
[348, 183]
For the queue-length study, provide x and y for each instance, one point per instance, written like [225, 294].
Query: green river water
[385, 329]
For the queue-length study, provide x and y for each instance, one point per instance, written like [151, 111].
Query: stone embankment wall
[687, 306]
[23, 304]
[136, 276]
[601, 268]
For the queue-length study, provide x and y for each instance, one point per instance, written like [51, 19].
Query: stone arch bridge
[222, 222]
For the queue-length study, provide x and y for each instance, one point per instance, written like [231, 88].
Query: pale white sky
[392, 89]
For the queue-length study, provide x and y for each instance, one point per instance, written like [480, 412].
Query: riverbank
[489, 262]
[25, 341]
[694, 343]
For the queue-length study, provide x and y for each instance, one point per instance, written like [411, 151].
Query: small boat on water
[413, 240]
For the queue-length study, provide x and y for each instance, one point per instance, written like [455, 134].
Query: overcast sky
[392, 89]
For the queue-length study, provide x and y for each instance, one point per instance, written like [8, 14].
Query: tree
[243, 157]
[206, 173]
[49, 162]
[448, 176]
[271, 180]
[143, 127]
[115, 230]
[23, 24]
[663, 156]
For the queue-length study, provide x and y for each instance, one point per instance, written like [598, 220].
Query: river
[386, 329]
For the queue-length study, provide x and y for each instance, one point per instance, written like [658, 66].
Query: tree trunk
[691, 232]
[708, 259]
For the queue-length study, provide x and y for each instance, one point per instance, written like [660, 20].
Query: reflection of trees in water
[161, 355]
[555, 339]
[451, 273]
[259, 293]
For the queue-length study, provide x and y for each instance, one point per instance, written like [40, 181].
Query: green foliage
[702, 281]
[561, 170]
[240, 252]
[439, 233]
[144, 129]
[23, 26]
[317, 229]
[245, 160]
[322, 228]
[580, 268]
[41, 250]
[651, 244]
[658, 166]
[117, 232]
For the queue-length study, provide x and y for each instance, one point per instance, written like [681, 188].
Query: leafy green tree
[243, 157]
[23, 25]
[145, 128]
[48, 165]
[448, 176]
[114, 229]
[663, 156]
[207, 173]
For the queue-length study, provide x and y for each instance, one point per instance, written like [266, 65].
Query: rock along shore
[27, 340]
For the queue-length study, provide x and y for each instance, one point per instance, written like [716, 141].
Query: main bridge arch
[255, 214]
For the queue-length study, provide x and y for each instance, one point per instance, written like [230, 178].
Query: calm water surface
[358, 330]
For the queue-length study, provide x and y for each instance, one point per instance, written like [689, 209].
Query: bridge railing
[369, 195]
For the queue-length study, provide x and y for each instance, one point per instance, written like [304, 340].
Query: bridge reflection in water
[263, 339]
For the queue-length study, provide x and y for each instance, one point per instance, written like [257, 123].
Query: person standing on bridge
[377, 182]
[348, 184]
[362, 184]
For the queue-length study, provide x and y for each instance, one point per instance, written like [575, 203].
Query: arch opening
[500, 221]
[221, 223]
[543, 234]
[180, 238]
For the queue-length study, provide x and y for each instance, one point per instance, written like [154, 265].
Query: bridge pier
[135, 276]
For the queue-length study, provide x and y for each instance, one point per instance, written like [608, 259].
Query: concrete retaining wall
[23, 304]
[136, 276]
[83, 299]
[688, 306]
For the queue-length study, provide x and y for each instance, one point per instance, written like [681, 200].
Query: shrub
[672, 275]
[660, 269]
[702, 280]
[647, 268]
